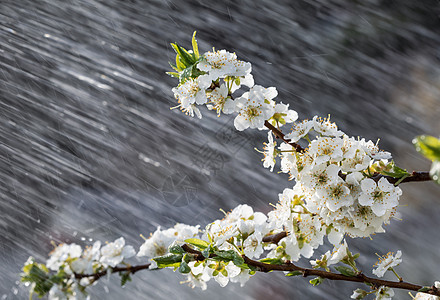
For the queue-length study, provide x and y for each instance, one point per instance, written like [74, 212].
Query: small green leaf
[346, 271]
[206, 252]
[272, 261]
[201, 244]
[195, 46]
[226, 254]
[316, 281]
[124, 278]
[294, 273]
[185, 74]
[238, 260]
[428, 146]
[176, 249]
[173, 66]
[179, 64]
[187, 59]
[173, 74]
[184, 268]
[168, 260]
[424, 289]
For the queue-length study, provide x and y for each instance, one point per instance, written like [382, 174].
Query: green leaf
[185, 74]
[195, 46]
[180, 66]
[394, 171]
[173, 74]
[173, 66]
[428, 146]
[226, 254]
[272, 261]
[187, 58]
[316, 281]
[168, 260]
[125, 277]
[201, 244]
[206, 252]
[176, 249]
[238, 260]
[184, 268]
[346, 271]
[294, 273]
[424, 289]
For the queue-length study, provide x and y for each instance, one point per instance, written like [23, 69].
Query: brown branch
[285, 267]
[414, 177]
[280, 135]
[274, 238]
[129, 269]
[288, 267]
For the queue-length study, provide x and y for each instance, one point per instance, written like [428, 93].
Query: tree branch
[280, 135]
[129, 269]
[288, 267]
[414, 177]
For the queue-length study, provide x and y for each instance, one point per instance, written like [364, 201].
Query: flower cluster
[161, 240]
[335, 179]
[211, 79]
[239, 233]
[74, 268]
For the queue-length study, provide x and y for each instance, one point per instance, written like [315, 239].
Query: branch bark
[130, 269]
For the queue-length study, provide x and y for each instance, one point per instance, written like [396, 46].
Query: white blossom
[269, 155]
[386, 262]
[384, 293]
[299, 131]
[160, 240]
[220, 100]
[380, 196]
[85, 263]
[254, 107]
[114, 253]
[61, 253]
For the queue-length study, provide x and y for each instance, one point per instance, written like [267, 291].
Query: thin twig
[280, 135]
[129, 269]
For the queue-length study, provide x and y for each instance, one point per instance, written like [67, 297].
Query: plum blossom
[269, 152]
[299, 131]
[61, 253]
[220, 100]
[386, 262]
[254, 107]
[160, 240]
[325, 127]
[283, 115]
[114, 253]
[219, 64]
[384, 293]
[192, 91]
[88, 259]
[380, 196]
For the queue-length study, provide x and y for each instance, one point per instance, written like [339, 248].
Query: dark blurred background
[89, 148]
